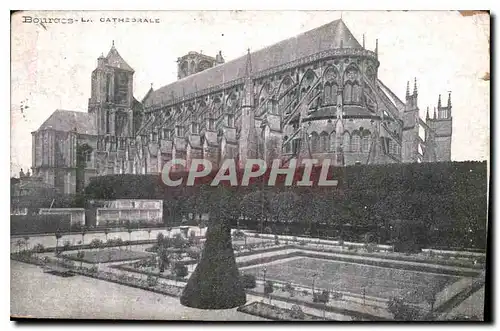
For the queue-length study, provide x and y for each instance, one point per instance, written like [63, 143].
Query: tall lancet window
[314, 142]
[333, 137]
[365, 142]
[346, 144]
[331, 87]
[355, 142]
[323, 142]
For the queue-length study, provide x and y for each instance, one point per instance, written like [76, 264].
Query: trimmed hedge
[215, 284]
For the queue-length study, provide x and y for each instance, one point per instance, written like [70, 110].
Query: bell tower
[111, 97]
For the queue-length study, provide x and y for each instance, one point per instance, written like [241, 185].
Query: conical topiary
[215, 284]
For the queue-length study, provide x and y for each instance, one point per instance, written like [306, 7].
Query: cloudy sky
[51, 64]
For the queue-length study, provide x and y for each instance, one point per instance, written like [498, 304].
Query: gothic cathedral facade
[315, 95]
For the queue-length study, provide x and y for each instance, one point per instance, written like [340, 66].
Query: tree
[163, 259]
[323, 298]
[159, 239]
[268, 289]
[19, 244]
[215, 283]
[149, 233]
[129, 230]
[106, 231]
[26, 242]
[58, 236]
[38, 248]
[254, 206]
[80, 255]
[84, 231]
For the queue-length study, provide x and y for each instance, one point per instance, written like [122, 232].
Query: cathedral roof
[329, 36]
[69, 120]
[115, 60]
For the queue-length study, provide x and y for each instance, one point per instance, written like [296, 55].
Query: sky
[51, 65]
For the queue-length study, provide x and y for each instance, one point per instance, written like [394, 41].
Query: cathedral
[316, 95]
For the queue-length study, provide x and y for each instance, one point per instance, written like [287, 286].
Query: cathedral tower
[409, 152]
[111, 97]
[441, 124]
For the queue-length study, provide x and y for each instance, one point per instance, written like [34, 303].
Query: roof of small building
[70, 120]
[329, 36]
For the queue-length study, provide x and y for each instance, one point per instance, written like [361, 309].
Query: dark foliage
[248, 281]
[409, 205]
[25, 224]
[215, 284]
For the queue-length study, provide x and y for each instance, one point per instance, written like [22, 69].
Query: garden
[106, 255]
[355, 278]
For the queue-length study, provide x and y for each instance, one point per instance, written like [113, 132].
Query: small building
[136, 211]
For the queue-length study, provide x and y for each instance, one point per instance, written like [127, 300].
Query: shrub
[152, 281]
[257, 235]
[305, 292]
[276, 242]
[302, 243]
[336, 295]
[248, 281]
[341, 242]
[194, 253]
[96, 243]
[178, 241]
[66, 244]
[297, 313]
[322, 297]
[239, 234]
[192, 236]
[93, 269]
[370, 248]
[268, 230]
[288, 287]
[180, 270]
[269, 287]
[294, 239]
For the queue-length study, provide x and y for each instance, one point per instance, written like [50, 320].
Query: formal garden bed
[386, 263]
[150, 283]
[178, 271]
[274, 313]
[462, 259]
[107, 255]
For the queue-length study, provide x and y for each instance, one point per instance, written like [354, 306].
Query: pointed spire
[376, 47]
[407, 89]
[449, 99]
[415, 90]
[427, 116]
[151, 85]
[248, 66]
[112, 43]
[363, 40]
[435, 113]
[439, 101]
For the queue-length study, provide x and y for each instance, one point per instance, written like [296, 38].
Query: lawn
[349, 277]
[109, 255]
